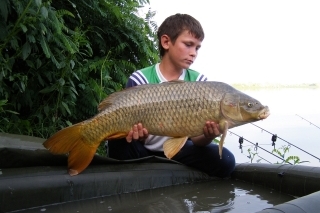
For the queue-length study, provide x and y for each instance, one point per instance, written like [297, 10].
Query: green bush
[59, 59]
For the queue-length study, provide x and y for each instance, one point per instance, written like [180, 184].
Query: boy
[180, 38]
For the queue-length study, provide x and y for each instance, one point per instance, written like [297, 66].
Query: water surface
[205, 197]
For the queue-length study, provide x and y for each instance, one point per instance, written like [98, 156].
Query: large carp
[177, 109]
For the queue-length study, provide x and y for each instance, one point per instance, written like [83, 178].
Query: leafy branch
[59, 59]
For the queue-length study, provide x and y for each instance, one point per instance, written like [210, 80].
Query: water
[213, 196]
[286, 105]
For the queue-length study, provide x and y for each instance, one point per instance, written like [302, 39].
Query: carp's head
[239, 108]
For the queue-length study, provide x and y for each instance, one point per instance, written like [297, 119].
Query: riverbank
[274, 85]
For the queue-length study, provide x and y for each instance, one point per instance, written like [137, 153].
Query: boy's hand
[137, 132]
[211, 130]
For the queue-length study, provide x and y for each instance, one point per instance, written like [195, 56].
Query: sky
[253, 41]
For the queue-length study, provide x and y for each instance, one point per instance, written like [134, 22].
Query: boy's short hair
[174, 25]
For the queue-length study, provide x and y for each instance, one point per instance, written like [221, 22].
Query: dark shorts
[203, 158]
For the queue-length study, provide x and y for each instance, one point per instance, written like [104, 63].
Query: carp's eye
[250, 104]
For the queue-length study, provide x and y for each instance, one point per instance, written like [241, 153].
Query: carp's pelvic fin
[69, 140]
[172, 146]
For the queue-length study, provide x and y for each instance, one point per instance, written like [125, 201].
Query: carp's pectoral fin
[172, 146]
[225, 126]
[80, 157]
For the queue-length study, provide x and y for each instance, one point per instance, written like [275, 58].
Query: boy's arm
[135, 79]
[131, 83]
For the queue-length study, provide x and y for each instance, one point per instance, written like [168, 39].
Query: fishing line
[256, 146]
[274, 137]
[264, 159]
[308, 121]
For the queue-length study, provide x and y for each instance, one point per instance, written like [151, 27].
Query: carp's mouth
[243, 119]
[264, 113]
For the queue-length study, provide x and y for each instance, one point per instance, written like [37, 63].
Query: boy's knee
[227, 164]
[222, 167]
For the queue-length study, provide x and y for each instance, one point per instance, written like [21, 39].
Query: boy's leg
[122, 150]
[207, 159]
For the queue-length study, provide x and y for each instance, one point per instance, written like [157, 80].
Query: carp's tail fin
[70, 141]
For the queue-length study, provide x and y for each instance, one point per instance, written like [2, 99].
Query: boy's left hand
[211, 130]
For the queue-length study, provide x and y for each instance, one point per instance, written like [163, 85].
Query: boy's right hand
[137, 132]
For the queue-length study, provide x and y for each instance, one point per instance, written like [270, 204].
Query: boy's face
[183, 52]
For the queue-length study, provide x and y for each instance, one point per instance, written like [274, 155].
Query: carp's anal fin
[224, 125]
[172, 146]
[117, 136]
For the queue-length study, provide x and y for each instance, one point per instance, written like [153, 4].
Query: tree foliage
[60, 58]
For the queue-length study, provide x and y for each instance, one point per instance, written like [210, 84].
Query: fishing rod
[274, 138]
[308, 121]
[256, 145]
[267, 160]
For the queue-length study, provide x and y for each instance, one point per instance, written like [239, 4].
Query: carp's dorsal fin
[172, 146]
[224, 125]
[108, 101]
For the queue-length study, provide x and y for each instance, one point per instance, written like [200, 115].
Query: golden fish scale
[171, 109]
